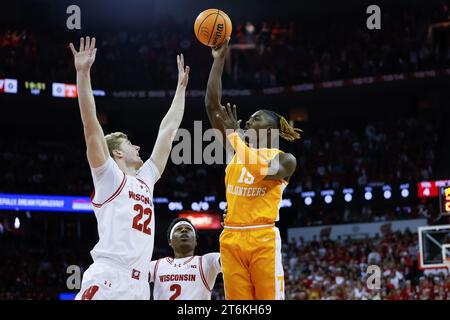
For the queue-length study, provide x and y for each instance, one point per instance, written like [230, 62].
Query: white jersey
[190, 278]
[123, 206]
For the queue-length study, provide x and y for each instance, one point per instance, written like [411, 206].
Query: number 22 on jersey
[144, 227]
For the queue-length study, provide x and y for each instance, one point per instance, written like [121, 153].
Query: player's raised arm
[172, 120]
[214, 88]
[97, 149]
[281, 166]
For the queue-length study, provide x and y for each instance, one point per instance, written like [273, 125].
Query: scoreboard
[39, 88]
[444, 199]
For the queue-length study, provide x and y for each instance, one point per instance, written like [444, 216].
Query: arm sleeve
[107, 178]
[255, 164]
[149, 173]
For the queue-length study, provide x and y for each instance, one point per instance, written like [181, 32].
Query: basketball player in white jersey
[184, 276]
[123, 193]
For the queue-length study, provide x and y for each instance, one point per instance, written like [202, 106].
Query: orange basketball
[212, 26]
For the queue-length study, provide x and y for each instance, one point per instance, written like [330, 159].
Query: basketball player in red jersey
[123, 194]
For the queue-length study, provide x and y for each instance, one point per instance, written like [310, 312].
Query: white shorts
[108, 282]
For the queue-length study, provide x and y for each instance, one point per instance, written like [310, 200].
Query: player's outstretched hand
[85, 57]
[228, 116]
[221, 51]
[183, 73]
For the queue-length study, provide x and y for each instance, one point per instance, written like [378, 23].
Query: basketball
[212, 26]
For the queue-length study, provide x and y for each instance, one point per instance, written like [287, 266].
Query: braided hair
[287, 131]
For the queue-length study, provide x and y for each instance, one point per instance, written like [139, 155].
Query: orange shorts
[251, 264]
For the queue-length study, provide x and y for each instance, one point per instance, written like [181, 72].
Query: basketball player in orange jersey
[123, 197]
[184, 276]
[250, 244]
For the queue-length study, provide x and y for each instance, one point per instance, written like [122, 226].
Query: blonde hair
[113, 140]
[287, 132]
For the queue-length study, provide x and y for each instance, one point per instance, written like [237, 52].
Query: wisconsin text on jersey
[139, 197]
[177, 277]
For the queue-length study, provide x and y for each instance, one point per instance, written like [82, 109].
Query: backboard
[431, 243]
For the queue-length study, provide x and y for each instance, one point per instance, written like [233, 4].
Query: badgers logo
[218, 33]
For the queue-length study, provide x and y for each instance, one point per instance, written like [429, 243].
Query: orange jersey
[252, 200]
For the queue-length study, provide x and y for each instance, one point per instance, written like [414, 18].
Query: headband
[179, 223]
